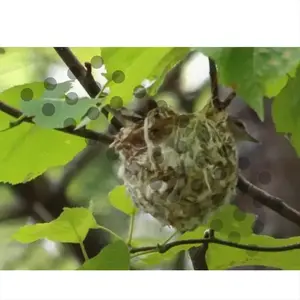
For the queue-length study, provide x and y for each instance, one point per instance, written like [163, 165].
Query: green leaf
[166, 64]
[286, 109]
[240, 231]
[273, 87]
[119, 199]
[113, 257]
[57, 113]
[57, 90]
[71, 226]
[288, 260]
[230, 219]
[18, 65]
[28, 148]
[135, 65]
[85, 54]
[51, 111]
[13, 95]
[234, 225]
[251, 70]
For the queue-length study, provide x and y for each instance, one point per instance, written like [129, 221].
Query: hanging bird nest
[179, 167]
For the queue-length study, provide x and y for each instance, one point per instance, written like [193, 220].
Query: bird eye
[240, 124]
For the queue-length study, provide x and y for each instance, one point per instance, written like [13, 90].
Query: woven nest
[178, 167]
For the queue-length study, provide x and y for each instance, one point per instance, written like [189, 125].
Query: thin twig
[228, 99]
[167, 247]
[82, 132]
[275, 203]
[84, 76]
[214, 85]
[218, 104]
[131, 229]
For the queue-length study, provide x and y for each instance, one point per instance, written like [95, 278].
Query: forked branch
[84, 76]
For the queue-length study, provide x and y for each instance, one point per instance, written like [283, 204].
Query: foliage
[71, 226]
[251, 70]
[17, 150]
[229, 222]
[286, 110]
[121, 201]
[115, 256]
[29, 150]
[136, 65]
[233, 225]
[64, 114]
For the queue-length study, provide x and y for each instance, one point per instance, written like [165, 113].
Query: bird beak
[250, 138]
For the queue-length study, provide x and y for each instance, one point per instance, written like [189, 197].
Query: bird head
[239, 130]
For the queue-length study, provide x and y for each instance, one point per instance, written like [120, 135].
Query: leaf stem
[84, 253]
[80, 241]
[102, 90]
[131, 227]
[110, 231]
[169, 238]
[143, 253]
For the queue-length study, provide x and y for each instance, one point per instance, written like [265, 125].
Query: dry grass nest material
[178, 167]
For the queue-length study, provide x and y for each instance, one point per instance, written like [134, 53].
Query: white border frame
[150, 23]
[150, 285]
[153, 23]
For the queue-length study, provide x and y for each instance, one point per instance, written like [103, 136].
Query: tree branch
[84, 76]
[228, 99]
[168, 246]
[214, 86]
[272, 202]
[82, 132]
